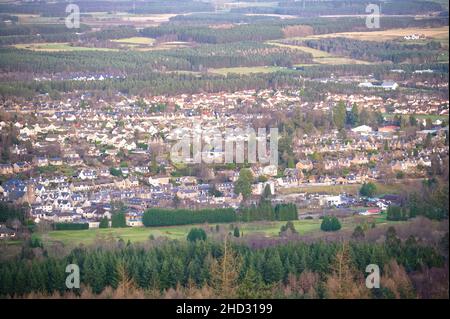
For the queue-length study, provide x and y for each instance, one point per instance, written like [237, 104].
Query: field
[440, 34]
[141, 234]
[56, 47]
[136, 40]
[319, 56]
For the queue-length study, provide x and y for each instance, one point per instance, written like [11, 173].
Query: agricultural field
[135, 40]
[319, 56]
[439, 34]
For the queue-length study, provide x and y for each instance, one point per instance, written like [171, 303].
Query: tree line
[198, 264]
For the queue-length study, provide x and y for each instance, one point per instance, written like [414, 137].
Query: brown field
[320, 57]
[440, 33]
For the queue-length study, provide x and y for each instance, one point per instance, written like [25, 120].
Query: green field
[141, 234]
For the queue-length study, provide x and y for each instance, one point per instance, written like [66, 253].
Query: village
[71, 159]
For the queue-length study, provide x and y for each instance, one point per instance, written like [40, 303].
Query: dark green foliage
[167, 217]
[236, 232]
[70, 226]
[378, 51]
[196, 234]
[104, 223]
[431, 201]
[205, 34]
[244, 183]
[358, 233]
[118, 220]
[265, 211]
[162, 267]
[396, 213]
[330, 223]
[368, 189]
[288, 227]
[8, 211]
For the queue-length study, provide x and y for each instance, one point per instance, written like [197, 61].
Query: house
[363, 129]
[6, 233]
[87, 174]
[40, 161]
[306, 165]
[6, 169]
[389, 85]
[388, 129]
[369, 212]
[55, 161]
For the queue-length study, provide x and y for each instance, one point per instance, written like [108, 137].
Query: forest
[374, 51]
[336, 269]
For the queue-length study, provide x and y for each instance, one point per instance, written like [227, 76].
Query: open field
[141, 234]
[57, 47]
[440, 34]
[394, 188]
[135, 40]
[319, 56]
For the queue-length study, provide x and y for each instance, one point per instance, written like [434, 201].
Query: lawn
[141, 234]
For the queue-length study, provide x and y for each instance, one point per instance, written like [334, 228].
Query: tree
[104, 223]
[118, 220]
[244, 183]
[368, 189]
[330, 223]
[289, 228]
[358, 233]
[225, 272]
[273, 267]
[196, 234]
[345, 282]
[266, 192]
[396, 213]
[339, 115]
[353, 116]
[236, 232]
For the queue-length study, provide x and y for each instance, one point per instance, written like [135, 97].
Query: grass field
[136, 40]
[56, 47]
[141, 234]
